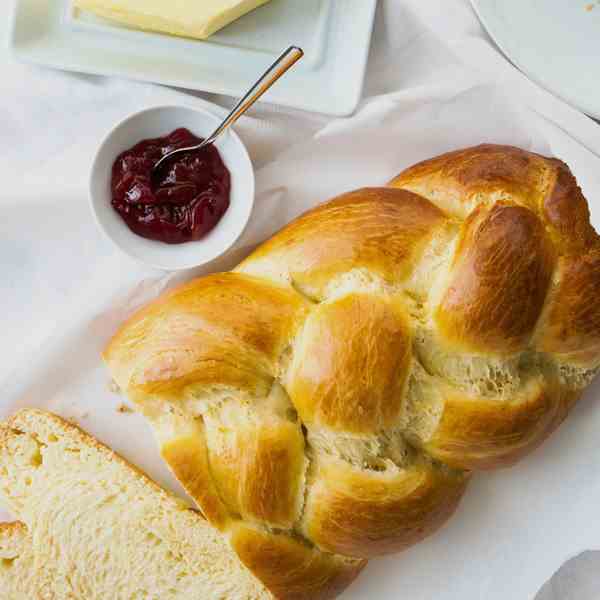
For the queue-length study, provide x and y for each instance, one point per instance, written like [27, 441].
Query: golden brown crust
[486, 433]
[228, 328]
[452, 316]
[377, 229]
[572, 326]
[290, 569]
[566, 211]
[259, 470]
[460, 181]
[498, 286]
[187, 458]
[365, 514]
[350, 371]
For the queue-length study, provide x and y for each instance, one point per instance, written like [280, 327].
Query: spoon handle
[287, 60]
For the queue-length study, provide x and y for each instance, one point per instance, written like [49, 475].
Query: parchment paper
[515, 527]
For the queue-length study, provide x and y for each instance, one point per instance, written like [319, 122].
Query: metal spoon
[287, 60]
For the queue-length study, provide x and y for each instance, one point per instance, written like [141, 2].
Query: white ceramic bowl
[156, 122]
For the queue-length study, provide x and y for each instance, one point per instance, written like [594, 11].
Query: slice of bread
[93, 527]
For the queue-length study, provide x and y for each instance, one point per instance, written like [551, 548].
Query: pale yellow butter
[189, 18]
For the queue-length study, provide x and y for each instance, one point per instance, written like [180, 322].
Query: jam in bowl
[183, 200]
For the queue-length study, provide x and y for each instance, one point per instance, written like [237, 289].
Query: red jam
[183, 201]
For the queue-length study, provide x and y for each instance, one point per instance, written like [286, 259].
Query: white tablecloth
[54, 262]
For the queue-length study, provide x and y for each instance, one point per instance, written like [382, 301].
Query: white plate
[555, 42]
[335, 35]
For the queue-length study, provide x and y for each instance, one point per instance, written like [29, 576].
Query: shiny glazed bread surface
[327, 401]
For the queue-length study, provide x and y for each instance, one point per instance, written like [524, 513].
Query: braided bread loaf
[326, 402]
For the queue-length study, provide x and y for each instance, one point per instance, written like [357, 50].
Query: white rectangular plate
[335, 35]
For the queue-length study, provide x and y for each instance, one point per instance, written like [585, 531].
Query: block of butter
[189, 18]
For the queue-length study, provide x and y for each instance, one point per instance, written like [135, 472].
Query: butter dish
[334, 34]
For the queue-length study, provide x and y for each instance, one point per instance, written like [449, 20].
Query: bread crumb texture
[91, 526]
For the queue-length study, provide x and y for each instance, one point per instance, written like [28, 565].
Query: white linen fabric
[435, 82]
